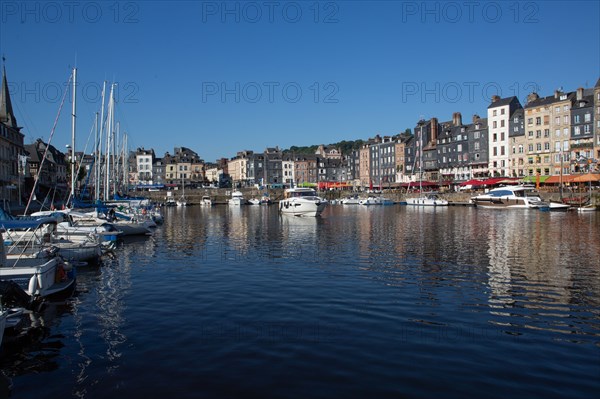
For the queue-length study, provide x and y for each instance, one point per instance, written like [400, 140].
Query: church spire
[6, 112]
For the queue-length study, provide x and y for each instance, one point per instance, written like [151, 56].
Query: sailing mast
[421, 161]
[73, 120]
[99, 147]
[109, 132]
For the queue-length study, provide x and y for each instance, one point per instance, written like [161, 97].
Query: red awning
[472, 182]
[496, 180]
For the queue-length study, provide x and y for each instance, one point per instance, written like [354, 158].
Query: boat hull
[302, 207]
[426, 201]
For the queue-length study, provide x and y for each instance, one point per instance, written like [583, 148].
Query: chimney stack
[556, 93]
[495, 98]
[580, 94]
[457, 119]
[475, 118]
[434, 130]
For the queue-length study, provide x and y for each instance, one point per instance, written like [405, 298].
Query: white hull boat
[39, 278]
[510, 197]
[302, 202]
[237, 199]
[427, 200]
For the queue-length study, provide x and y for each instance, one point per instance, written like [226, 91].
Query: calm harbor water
[363, 302]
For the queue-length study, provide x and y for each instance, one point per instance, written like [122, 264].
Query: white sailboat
[431, 199]
[182, 201]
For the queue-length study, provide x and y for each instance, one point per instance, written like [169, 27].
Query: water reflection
[534, 262]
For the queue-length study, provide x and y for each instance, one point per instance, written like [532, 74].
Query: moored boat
[509, 197]
[302, 202]
[237, 199]
[430, 199]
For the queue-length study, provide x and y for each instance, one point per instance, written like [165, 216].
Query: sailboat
[182, 201]
[559, 205]
[430, 199]
[587, 178]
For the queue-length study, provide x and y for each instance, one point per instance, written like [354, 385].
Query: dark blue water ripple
[363, 302]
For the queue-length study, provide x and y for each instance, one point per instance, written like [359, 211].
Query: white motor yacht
[302, 202]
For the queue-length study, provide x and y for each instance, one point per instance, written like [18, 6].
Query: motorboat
[39, 278]
[206, 201]
[266, 200]
[237, 198]
[302, 202]
[35, 238]
[509, 197]
[254, 201]
[370, 200]
[351, 200]
[431, 199]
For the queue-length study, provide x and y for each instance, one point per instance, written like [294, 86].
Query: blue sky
[222, 77]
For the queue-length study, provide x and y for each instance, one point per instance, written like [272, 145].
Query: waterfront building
[328, 152]
[516, 136]
[273, 167]
[305, 169]
[12, 151]
[382, 161]
[400, 162]
[478, 156]
[52, 181]
[238, 168]
[144, 161]
[158, 171]
[331, 170]
[597, 120]
[287, 167]
[255, 171]
[582, 132]
[543, 115]
[453, 150]
[364, 168]
[421, 155]
[353, 167]
[499, 112]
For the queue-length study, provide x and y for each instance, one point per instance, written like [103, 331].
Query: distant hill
[345, 146]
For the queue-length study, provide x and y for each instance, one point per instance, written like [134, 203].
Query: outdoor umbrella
[587, 178]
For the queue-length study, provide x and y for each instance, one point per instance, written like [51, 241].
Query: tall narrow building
[11, 148]
[499, 113]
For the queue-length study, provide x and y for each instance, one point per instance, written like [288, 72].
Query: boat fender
[32, 288]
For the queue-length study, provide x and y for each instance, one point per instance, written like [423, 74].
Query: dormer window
[563, 97]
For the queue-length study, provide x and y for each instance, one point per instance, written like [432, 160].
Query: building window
[530, 133]
[538, 134]
[566, 119]
[529, 121]
[494, 124]
[502, 123]
[502, 111]
[538, 147]
[546, 132]
[547, 145]
[538, 121]
[557, 120]
[495, 112]
[576, 130]
[587, 117]
[576, 119]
